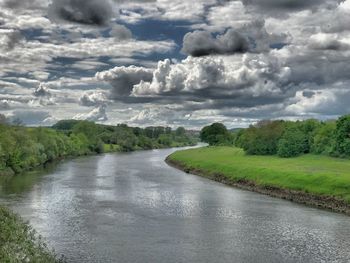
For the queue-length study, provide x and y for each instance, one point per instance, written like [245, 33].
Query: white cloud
[98, 114]
[93, 98]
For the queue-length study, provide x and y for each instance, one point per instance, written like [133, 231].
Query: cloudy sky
[174, 62]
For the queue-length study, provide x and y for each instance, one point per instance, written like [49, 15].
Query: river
[134, 208]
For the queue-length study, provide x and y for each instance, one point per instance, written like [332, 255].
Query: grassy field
[313, 174]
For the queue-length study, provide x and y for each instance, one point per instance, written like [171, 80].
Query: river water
[134, 208]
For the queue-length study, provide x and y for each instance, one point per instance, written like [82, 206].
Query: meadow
[314, 174]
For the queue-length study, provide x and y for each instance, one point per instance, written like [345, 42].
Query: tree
[342, 136]
[324, 139]
[3, 119]
[309, 128]
[215, 134]
[292, 143]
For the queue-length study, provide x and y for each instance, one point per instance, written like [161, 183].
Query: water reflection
[18, 184]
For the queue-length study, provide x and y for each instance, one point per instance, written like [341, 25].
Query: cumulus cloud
[93, 98]
[323, 41]
[122, 79]
[335, 99]
[97, 114]
[89, 12]
[251, 80]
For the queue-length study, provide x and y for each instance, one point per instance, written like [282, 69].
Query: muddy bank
[319, 201]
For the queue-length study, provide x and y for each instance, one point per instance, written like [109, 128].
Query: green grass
[314, 174]
[20, 243]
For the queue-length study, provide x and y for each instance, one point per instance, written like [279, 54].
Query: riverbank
[318, 181]
[20, 243]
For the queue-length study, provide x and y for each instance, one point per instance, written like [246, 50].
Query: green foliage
[20, 243]
[180, 131]
[342, 136]
[23, 148]
[65, 125]
[324, 139]
[216, 134]
[290, 139]
[261, 139]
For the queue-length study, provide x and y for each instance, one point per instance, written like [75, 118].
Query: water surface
[134, 208]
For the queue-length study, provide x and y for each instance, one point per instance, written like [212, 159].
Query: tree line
[286, 138]
[23, 148]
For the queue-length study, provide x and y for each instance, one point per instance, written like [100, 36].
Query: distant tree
[23, 148]
[215, 134]
[164, 139]
[3, 119]
[180, 131]
[17, 122]
[65, 125]
[168, 130]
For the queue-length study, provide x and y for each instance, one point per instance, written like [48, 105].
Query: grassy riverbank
[312, 179]
[20, 243]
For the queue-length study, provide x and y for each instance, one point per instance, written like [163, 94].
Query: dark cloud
[89, 12]
[289, 5]
[11, 39]
[120, 32]
[203, 43]
[248, 37]
[308, 94]
[42, 91]
[321, 67]
[123, 79]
